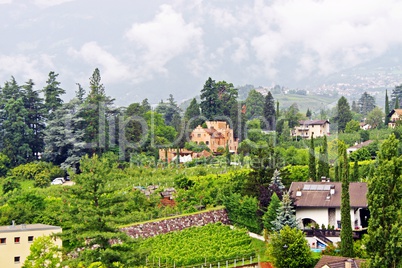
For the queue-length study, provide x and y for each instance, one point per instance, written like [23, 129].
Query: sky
[150, 49]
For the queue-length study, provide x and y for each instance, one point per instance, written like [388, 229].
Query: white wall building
[319, 203]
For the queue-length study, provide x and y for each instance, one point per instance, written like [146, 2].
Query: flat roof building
[16, 240]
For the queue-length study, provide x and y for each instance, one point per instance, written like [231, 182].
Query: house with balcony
[16, 240]
[306, 128]
[318, 204]
[394, 116]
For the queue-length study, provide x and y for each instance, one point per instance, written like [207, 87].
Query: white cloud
[25, 67]
[49, 3]
[241, 52]
[113, 70]
[333, 34]
[164, 38]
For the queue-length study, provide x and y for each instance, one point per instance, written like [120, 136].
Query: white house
[319, 203]
[306, 128]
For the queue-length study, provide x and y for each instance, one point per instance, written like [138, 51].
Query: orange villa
[217, 134]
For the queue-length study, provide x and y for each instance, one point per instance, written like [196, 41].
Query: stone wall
[150, 229]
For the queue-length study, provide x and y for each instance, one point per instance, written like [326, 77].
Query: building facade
[306, 128]
[16, 240]
[217, 134]
[394, 116]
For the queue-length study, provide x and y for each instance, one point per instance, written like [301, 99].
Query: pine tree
[343, 114]
[285, 215]
[92, 205]
[276, 185]
[346, 231]
[97, 109]
[385, 224]
[52, 92]
[387, 111]
[269, 112]
[311, 163]
[64, 136]
[270, 215]
[308, 113]
[80, 93]
[366, 103]
[35, 119]
[210, 102]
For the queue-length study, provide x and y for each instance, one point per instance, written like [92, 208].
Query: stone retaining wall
[150, 229]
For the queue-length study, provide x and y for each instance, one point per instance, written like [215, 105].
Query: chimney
[332, 190]
[298, 192]
[348, 263]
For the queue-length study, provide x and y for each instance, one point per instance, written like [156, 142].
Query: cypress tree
[311, 163]
[346, 231]
[387, 111]
[396, 103]
[269, 112]
[323, 165]
[355, 174]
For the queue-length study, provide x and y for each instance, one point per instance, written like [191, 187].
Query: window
[207, 142]
[198, 135]
[2, 240]
[17, 259]
[16, 240]
[30, 238]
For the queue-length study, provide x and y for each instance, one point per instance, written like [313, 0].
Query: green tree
[80, 93]
[192, 115]
[35, 119]
[10, 184]
[285, 215]
[64, 136]
[254, 105]
[94, 204]
[97, 113]
[346, 231]
[210, 102]
[312, 171]
[269, 112]
[270, 215]
[352, 126]
[343, 114]
[308, 113]
[385, 225]
[374, 117]
[355, 174]
[396, 96]
[52, 92]
[289, 249]
[386, 110]
[366, 103]
[16, 135]
[169, 110]
[323, 162]
[43, 253]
